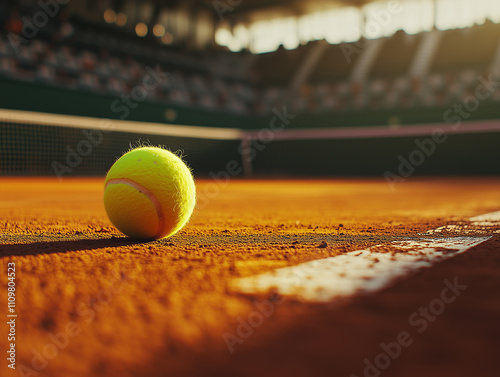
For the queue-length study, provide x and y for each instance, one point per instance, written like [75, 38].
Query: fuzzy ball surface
[149, 193]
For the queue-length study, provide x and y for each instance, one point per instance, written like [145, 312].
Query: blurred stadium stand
[81, 65]
[96, 58]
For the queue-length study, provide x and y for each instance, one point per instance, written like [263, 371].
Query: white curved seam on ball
[148, 194]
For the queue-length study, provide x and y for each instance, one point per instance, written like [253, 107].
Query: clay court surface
[91, 302]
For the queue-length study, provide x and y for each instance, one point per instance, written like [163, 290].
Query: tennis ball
[149, 193]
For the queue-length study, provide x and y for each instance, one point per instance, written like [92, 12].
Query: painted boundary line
[363, 271]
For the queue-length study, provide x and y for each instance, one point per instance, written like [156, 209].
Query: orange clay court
[91, 302]
[330, 206]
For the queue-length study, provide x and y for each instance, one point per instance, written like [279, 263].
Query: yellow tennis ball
[149, 193]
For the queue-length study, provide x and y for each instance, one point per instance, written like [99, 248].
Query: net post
[245, 147]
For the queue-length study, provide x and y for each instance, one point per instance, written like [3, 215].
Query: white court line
[490, 219]
[361, 271]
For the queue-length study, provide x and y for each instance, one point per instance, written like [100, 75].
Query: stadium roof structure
[255, 9]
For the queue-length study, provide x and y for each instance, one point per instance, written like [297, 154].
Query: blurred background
[317, 87]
